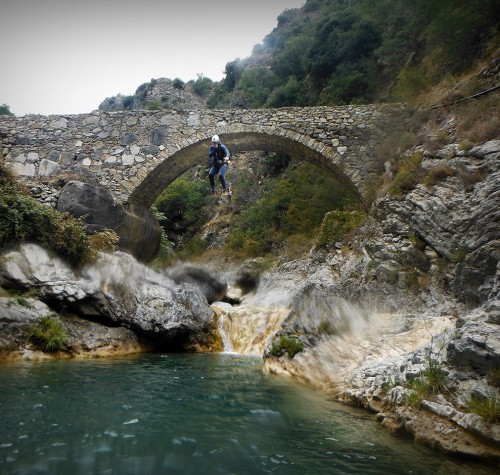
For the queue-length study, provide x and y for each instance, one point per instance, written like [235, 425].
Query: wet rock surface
[116, 291]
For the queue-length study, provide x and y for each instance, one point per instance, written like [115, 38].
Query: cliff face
[412, 298]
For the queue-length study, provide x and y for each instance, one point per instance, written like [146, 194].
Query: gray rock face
[476, 346]
[457, 218]
[117, 290]
[84, 337]
[426, 273]
[15, 318]
[137, 227]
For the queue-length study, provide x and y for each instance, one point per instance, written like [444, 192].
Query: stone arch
[195, 153]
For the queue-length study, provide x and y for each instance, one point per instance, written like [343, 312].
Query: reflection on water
[189, 414]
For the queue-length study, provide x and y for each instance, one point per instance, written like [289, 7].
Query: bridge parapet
[135, 154]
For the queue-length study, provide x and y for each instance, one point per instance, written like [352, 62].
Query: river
[190, 414]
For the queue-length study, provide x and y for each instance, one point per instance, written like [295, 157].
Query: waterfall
[247, 329]
[224, 334]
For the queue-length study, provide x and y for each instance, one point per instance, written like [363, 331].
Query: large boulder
[117, 290]
[137, 227]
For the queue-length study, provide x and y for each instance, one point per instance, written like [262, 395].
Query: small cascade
[247, 329]
[224, 333]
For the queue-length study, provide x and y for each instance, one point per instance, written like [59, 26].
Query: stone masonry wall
[120, 149]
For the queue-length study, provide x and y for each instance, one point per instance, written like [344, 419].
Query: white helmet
[215, 139]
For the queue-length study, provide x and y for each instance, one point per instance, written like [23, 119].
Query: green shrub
[286, 344]
[178, 83]
[466, 144]
[418, 391]
[337, 224]
[486, 407]
[183, 199]
[202, 85]
[288, 94]
[23, 219]
[105, 241]
[48, 334]
[154, 105]
[411, 82]
[5, 110]
[128, 102]
[293, 205]
[275, 163]
[409, 174]
[432, 381]
[438, 174]
[436, 377]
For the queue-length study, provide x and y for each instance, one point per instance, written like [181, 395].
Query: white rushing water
[222, 328]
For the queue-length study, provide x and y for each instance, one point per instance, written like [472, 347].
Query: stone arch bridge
[136, 154]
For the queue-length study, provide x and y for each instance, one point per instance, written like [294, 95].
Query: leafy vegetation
[337, 224]
[183, 200]
[202, 85]
[23, 219]
[105, 241]
[358, 51]
[408, 175]
[48, 334]
[432, 381]
[154, 105]
[487, 407]
[286, 344]
[293, 204]
[181, 207]
[5, 110]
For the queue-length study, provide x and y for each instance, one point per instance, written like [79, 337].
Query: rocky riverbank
[116, 306]
[403, 318]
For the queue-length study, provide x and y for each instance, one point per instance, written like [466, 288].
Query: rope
[482, 93]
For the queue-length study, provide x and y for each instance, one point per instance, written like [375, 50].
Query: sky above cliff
[67, 56]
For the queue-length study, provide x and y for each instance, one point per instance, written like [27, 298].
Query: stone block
[32, 157]
[24, 169]
[48, 167]
[127, 160]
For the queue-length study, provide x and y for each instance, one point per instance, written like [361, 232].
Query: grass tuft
[48, 334]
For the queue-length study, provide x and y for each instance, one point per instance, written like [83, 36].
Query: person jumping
[219, 159]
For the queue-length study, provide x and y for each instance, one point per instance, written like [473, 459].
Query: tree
[5, 110]
[202, 85]
[286, 95]
[291, 60]
[233, 71]
[256, 84]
